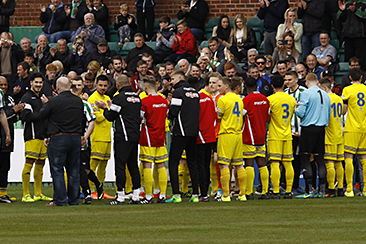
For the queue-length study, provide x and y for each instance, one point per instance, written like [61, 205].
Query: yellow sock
[65, 178]
[148, 180]
[3, 192]
[101, 170]
[264, 174]
[163, 180]
[94, 163]
[26, 178]
[156, 178]
[213, 176]
[275, 177]
[349, 173]
[363, 162]
[289, 175]
[185, 179]
[225, 181]
[250, 180]
[242, 178]
[38, 176]
[339, 174]
[330, 175]
[128, 182]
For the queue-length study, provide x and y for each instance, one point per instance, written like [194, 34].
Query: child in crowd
[125, 24]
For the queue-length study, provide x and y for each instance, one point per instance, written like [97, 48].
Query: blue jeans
[64, 152]
[309, 42]
[53, 38]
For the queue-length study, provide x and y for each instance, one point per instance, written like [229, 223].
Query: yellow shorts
[100, 150]
[230, 149]
[35, 149]
[184, 156]
[280, 150]
[334, 152]
[250, 151]
[355, 142]
[153, 154]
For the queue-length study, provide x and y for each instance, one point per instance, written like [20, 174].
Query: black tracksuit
[184, 114]
[145, 17]
[125, 112]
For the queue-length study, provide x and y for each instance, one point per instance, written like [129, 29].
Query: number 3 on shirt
[360, 101]
[236, 109]
[285, 111]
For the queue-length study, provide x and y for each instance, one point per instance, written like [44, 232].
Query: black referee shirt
[64, 114]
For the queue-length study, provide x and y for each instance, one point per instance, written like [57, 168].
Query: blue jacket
[273, 15]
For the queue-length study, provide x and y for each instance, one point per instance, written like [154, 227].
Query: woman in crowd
[223, 30]
[285, 49]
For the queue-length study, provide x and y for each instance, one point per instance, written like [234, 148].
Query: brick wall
[27, 11]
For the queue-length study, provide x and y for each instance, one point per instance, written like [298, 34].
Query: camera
[283, 42]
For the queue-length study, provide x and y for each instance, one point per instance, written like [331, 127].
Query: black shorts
[312, 139]
[214, 146]
[85, 159]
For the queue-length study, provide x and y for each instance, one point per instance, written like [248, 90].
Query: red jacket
[208, 118]
[186, 45]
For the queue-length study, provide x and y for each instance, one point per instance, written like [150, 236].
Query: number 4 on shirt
[236, 109]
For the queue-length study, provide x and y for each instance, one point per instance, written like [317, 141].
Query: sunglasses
[260, 63]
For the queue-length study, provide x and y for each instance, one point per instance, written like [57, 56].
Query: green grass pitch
[336, 220]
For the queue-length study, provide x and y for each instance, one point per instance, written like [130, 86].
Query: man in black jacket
[125, 112]
[145, 17]
[104, 54]
[8, 116]
[54, 19]
[184, 114]
[272, 12]
[311, 13]
[135, 54]
[195, 13]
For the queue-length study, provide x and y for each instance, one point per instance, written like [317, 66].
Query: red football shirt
[154, 112]
[208, 118]
[256, 108]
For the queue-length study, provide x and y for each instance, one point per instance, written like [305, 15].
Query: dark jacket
[123, 20]
[134, 55]
[78, 21]
[34, 127]
[167, 34]
[273, 15]
[103, 58]
[125, 112]
[353, 26]
[63, 57]
[16, 57]
[184, 110]
[101, 18]
[43, 59]
[12, 118]
[78, 63]
[312, 17]
[196, 17]
[54, 22]
[143, 5]
[6, 10]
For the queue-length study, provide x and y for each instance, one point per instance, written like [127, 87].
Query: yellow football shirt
[355, 98]
[333, 132]
[230, 111]
[282, 107]
[102, 129]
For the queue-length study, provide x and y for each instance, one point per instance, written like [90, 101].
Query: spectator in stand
[242, 38]
[285, 48]
[88, 80]
[281, 68]
[51, 74]
[263, 86]
[117, 69]
[272, 12]
[261, 61]
[42, 53]
[75, 12]
[169, 67]
[354, 63]
[251, 55]
[164, 39]
[291, 26]
[194, 13]
[7, 9]
[301, 74]
[103, 54]
[101, 15]
[352, 17]
[22, 83]
[26, 45]
[125, 23]
[148, 58]
[230, 69]
[269, 64]
[184, 45]
[54, 19]
[29, 58]
[223, 30]
[325, 53]
[329, 19]
[137, 80]
[311, 13]
[216, 48]
[61, 53]
[90, 32]
[78, 58]
[135, 54]
[196, 73]
[313, 66]
[206, 61]
[10, 56]
[145, 18]
[184, 66]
